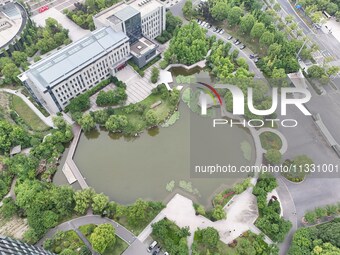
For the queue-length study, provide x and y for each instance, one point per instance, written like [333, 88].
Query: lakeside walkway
[70, 169]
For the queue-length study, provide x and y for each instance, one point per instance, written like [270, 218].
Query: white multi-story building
[124, 31]
[149, 13]
[54, 81]
[153, 17]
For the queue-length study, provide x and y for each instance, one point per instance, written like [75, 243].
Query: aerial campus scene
[180, 127]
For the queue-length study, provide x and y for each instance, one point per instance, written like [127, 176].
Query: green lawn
[118, 248]
[269, 140]
[137, 120]
[29, 117]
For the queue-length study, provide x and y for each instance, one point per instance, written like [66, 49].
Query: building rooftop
[146, 6]
[12, 21]
[72, 58]
[126, 13]
[142, 46]
[121, 11]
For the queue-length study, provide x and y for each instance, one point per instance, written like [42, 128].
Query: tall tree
[102, 237]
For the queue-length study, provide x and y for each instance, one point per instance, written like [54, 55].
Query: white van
[151, 246]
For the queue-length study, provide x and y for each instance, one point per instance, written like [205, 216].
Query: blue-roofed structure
[53, 69]
[65, 74]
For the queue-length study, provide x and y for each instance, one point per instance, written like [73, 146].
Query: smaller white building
[148, 15]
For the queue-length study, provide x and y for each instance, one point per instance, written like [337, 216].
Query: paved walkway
[47, 120]
[241, 215]
[11, 192]
[137, 87]
[289, 212]
[135, 246]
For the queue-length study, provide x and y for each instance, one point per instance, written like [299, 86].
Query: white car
[166, 253]
[221, 32]
[151, 246]
[203, 23]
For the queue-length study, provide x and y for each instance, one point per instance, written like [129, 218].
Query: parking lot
[246, 53]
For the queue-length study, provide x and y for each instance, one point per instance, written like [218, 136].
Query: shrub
[154, 74]
[310, 217]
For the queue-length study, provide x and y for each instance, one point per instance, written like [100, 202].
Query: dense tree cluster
[172, 22]
[270, 222]
[322, 239]
[83, 12]
[188, 46]
[313, 8]
[44, 205]
[34, 38]
[82, 103]
[171, 237]
[281, 52]
[188, 9]
[225, 64]
[118, 120]
[111, 97]
[51, 36]
[139, 213]
[12, 135]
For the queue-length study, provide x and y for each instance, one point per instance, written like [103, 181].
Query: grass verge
[269, 140]
[29, 117]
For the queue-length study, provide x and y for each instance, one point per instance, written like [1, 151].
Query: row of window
[90, 76]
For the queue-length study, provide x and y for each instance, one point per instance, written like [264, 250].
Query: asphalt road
[327, 42]
[318, 189]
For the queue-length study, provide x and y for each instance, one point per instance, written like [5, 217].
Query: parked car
[242, 46]
[203, 23]
[157, 250]
[209, 26]
[238, 42]
[229, 37]
[221, 32]
[43, 8]
[256, 60]
[235, 41]
[151, 246]
[166, 253]
[253, 55]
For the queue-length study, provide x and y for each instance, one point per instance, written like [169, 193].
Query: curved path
[289, 212]
[74, 224]
[284, 146]
[47, 120]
